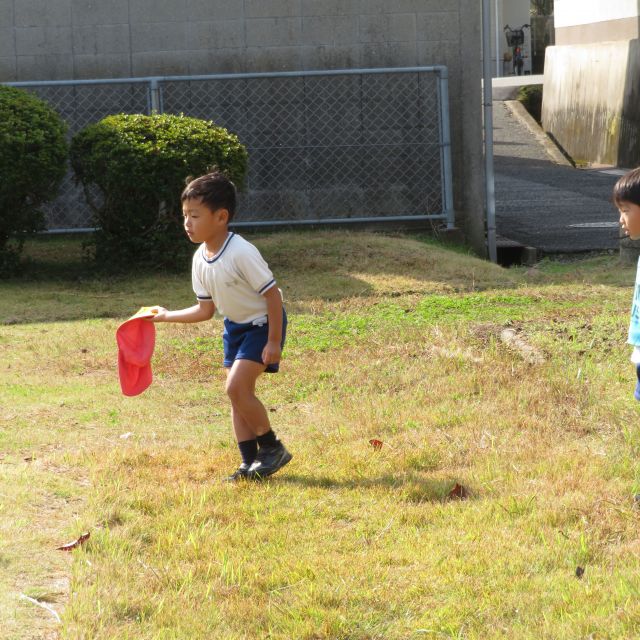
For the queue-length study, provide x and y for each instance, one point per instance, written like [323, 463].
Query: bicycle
[515, 40]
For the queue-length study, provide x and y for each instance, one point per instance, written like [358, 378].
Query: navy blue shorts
[636, 394]
[246, 341]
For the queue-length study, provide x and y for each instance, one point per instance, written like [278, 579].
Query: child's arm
[204, 310]
[272, 351]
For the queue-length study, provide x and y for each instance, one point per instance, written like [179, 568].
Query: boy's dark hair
[627, 189]
[215, 190]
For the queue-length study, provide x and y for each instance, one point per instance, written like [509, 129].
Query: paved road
[538, 201]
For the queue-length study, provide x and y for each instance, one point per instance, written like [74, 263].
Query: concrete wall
[575, 12]
[583, 99]
[63, 39]
[69, 39]
[591, 102]
[592, 21]
[625, 29]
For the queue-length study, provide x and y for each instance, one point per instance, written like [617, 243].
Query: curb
[520, 113]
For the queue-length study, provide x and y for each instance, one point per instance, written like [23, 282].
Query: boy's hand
[159, 314]
[271, 353]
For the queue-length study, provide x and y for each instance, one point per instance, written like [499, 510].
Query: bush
[531, 98]
[33, 155]
[133, 170]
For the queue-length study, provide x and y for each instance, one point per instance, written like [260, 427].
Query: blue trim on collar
[219, 254]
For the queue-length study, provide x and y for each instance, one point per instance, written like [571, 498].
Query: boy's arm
[272, 351]
[204, 310]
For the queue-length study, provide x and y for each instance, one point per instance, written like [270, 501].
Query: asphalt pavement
[541, 200]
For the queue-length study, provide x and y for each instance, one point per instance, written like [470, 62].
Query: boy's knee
[235, 390]
[230, 388]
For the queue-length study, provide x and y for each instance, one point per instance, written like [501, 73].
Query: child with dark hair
[230, 275]
[626, 196]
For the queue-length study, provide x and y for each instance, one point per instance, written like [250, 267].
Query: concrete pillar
[467, 130]
[629, 250]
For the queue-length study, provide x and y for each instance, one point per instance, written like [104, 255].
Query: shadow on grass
[60, 284]
[410, 489]
[69, 258]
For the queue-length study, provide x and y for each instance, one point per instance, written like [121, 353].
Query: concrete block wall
[65, 39]
[79, 39]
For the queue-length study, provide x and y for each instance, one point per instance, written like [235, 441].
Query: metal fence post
[445, 142]
[154, 92]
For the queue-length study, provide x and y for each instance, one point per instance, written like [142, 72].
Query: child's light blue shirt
[634, 324]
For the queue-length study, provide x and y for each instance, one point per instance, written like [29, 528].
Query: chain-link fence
[324, 146]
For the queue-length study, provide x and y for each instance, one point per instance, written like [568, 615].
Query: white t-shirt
[235, 279]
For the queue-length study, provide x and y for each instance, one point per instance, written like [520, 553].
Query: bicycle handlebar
[524, 26]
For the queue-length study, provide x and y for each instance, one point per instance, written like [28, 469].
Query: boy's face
[630, 219]
[201, 223]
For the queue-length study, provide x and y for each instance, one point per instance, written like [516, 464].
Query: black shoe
[268, 461]
[239, 474]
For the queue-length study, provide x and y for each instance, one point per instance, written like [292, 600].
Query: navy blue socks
[248, 451]
[267, 439]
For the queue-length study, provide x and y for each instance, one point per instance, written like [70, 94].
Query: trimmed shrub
[133, 169]
[33, 162]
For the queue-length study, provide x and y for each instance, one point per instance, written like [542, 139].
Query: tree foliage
[33, 162]
[541, 7]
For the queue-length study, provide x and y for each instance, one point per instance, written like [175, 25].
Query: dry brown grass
[390, 339]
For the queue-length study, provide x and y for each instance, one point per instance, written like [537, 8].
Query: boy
[626, 196]
[229, 274]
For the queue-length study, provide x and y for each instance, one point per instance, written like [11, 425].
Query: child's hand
[159, 314]
[271, 353]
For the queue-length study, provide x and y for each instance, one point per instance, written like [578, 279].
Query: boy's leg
[246, 441]
[241, 385]
[252, 417]
[247, 444]
[241, 428]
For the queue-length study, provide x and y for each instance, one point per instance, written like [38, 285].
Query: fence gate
[356, 145]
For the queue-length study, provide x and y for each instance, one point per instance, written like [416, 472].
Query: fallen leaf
[458, 493]
[376, 444]
[76, 543]
[579, 572]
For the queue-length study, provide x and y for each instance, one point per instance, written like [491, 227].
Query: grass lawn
[391, 338]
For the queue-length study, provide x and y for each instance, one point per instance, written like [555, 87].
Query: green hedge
[33, 162]
[531, 98]
[133, 169]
